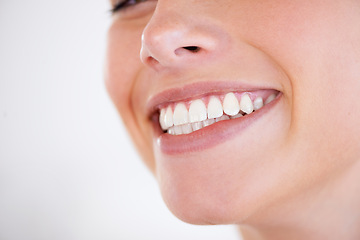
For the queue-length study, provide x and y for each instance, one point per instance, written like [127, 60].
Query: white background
[67, 168]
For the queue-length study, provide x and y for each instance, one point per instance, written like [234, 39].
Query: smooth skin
[292, 174]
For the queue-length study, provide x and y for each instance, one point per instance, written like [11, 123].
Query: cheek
[318, 51]
[122, 63]
[123, 67]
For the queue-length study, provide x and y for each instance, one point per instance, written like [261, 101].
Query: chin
[207, 207]
[206, 191]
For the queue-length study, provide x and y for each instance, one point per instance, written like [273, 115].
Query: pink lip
[195, 90]
[209, 136]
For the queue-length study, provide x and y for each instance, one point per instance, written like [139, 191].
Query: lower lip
[209, 136]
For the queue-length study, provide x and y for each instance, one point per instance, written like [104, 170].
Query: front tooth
[197, 126]
[231, 104]
[181, 114]
[215, 109]
[258, 103]
[270, 98]
[197, 111]
[186, 128]
[245, 104]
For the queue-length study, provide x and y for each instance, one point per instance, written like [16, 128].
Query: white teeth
[270, 98]
[162, 118]
[183, 121]
[208, 122]
[245, 104]
[197, 126]
[222, 118]
[236, 116]
[178, 130]
[181, 115]
[169, 122]
[186, 128]
[258, 103]
[214, 108]
[166, 118]
[197, 111]
[231, 104]
[171, 131]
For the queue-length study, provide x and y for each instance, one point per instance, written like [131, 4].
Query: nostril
[193, 49]
[151, 61]
[183, 51]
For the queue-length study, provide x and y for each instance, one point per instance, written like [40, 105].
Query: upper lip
[196, 90]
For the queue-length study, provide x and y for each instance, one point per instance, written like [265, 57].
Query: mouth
[186, 117]
[196, 123]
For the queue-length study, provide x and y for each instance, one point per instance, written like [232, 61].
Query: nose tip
[175, 42]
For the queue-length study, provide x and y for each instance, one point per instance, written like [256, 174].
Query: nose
[174, 38]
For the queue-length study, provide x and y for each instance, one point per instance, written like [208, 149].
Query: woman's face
[173, 57]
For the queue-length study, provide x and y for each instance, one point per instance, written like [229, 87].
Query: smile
[185, 117]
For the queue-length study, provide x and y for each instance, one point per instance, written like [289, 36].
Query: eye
[122, 5]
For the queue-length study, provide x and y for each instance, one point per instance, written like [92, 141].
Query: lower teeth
[191, 127]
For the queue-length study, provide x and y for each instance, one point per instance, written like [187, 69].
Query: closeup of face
[239, 107]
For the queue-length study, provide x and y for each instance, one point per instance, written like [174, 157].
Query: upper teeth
[197, 111]
[231, 105]
[214, 108]
[184, 121]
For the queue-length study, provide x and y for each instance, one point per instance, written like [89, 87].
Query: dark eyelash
[122, 5]
[118, 6]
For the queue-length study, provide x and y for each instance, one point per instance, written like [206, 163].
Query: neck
[330, 211]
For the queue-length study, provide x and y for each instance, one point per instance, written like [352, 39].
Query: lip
[209, 136]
